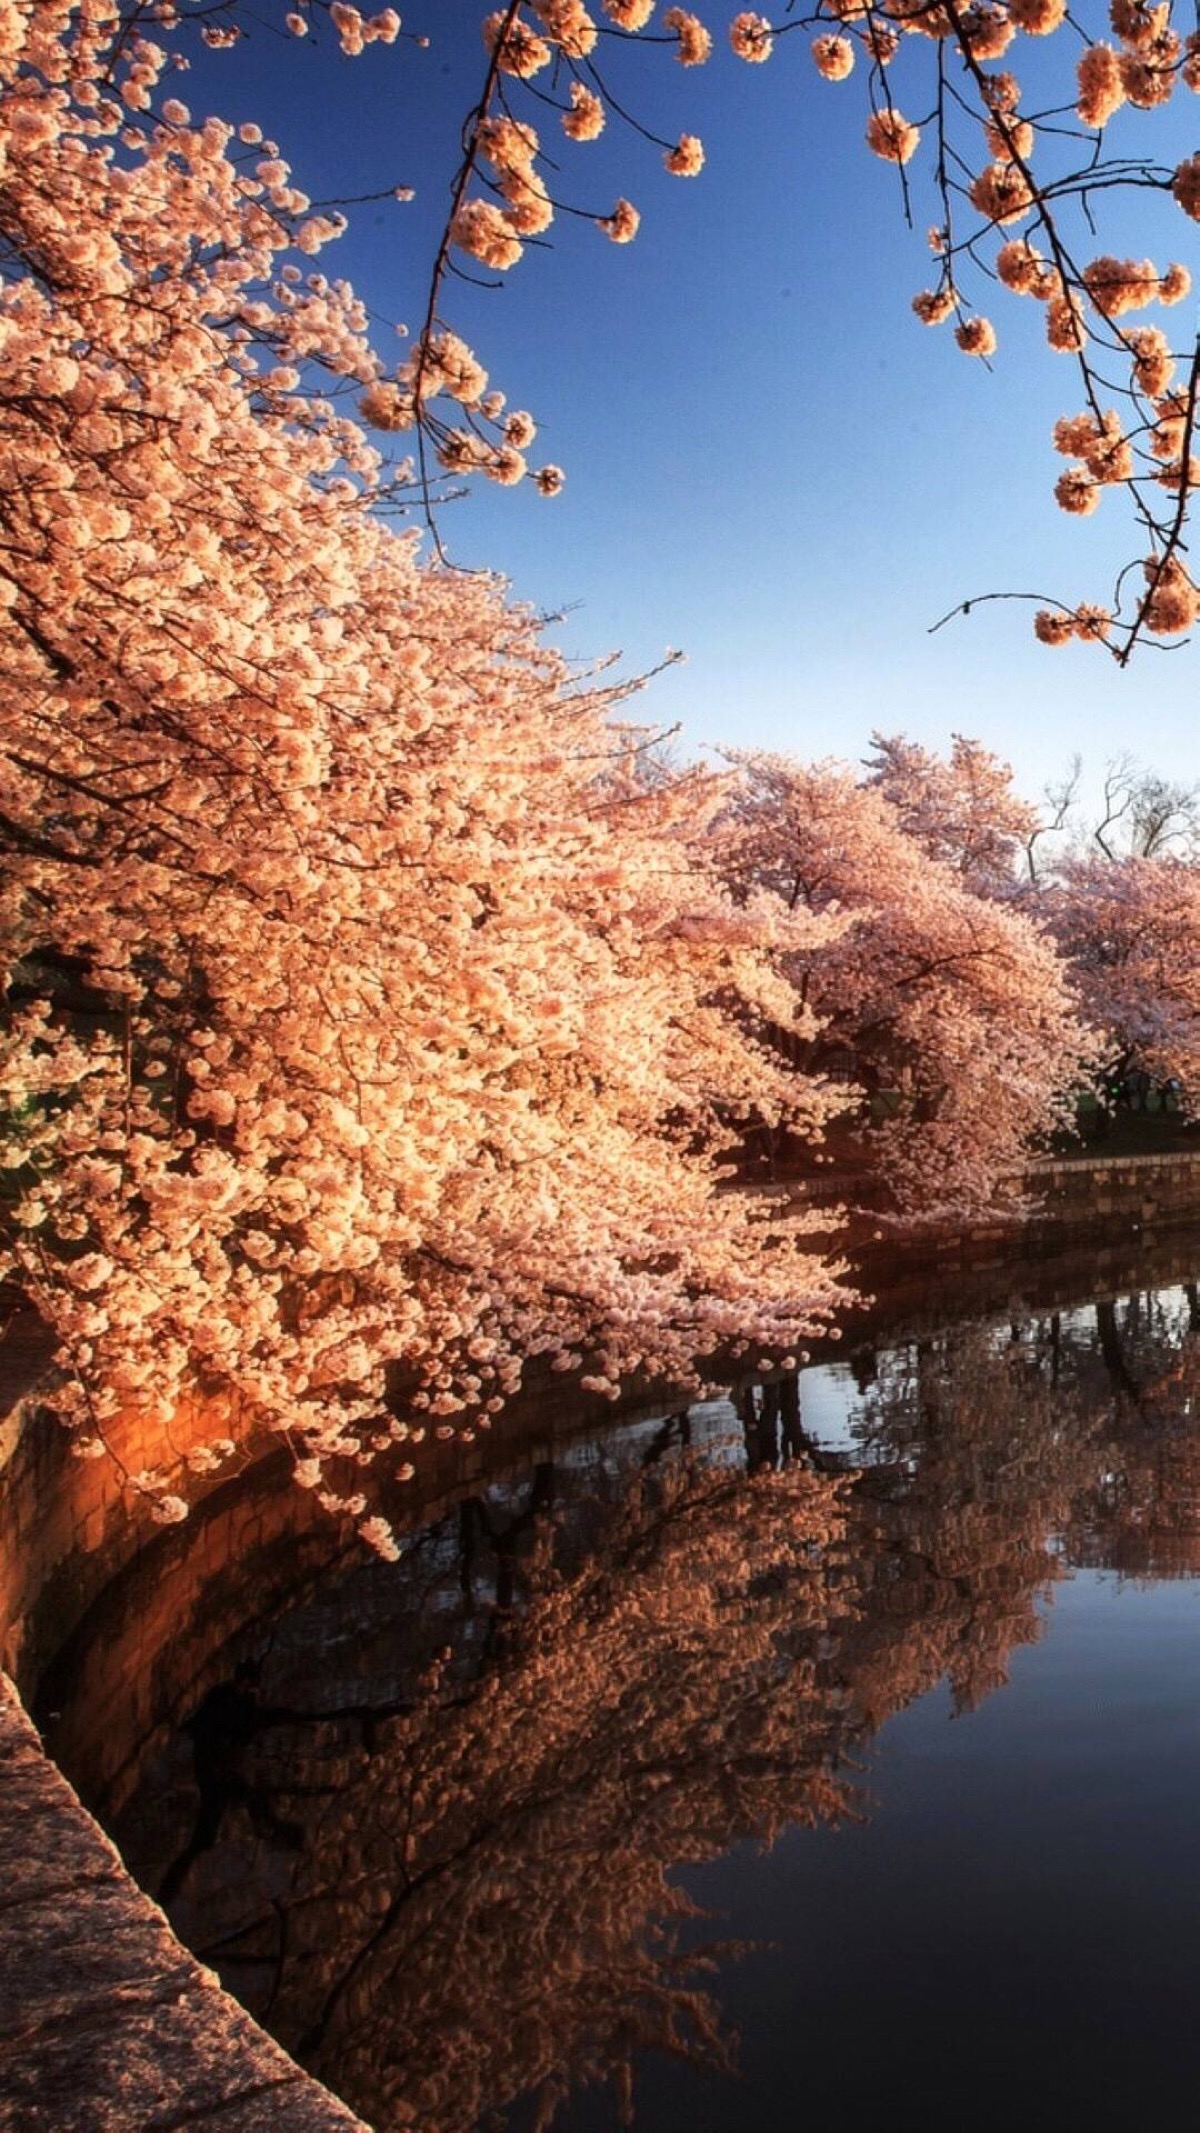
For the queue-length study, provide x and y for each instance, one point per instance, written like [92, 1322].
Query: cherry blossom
[989, 145]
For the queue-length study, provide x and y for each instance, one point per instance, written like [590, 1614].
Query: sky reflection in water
[971, 1666]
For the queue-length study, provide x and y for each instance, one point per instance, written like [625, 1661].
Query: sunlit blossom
[1149, 83]
[976, 337]
[1153, 363]
[1186, 186]
[631, 15]
[623, 223]
[1119, 285]
[694, 41]
[1065, 330]
[1076, 492]
[507, 466]
[484, 231]
[891, 136]
[1001, 191]
[585, 119]
[686, 159]
[1139, 23]
[387, 407]
[1038, 18]
[988, 30]
[1172, 602]
[528, 207]
[1021, 267]
[1009, 137]
[1051, 627]
[1101, 90]
[833, 57]
[519, 51]
[569, 24]
[751, 36]
[508, 143]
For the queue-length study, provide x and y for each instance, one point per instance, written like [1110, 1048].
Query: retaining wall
[1054, 1205]
[107, 2025]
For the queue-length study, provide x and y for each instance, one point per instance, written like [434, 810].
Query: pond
[827, 1755]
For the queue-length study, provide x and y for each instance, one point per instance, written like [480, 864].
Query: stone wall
[1146, 1191]
[106, 2024]
[1061, 1204]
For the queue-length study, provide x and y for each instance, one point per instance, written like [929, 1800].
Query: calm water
[830, 1758]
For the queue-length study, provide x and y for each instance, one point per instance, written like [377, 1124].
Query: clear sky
[770, 463]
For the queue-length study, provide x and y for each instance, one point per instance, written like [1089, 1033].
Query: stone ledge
[1066, 1166]
[108, 2025]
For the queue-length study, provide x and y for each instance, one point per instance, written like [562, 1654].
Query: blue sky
[770, 463]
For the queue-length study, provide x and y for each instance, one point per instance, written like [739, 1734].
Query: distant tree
[950, 1000]
[1146, 815]
[961, 809]
[1055, 822]
[1129, 931]
[1139, 814]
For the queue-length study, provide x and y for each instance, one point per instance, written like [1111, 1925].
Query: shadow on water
[444, 1826]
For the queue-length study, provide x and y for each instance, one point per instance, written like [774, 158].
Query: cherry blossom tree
[1121, 903]
[366, 1006]
[954, 1003]
[962, 809]
[1129, 930]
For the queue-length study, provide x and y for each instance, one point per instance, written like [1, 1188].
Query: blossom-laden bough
[1024, 160]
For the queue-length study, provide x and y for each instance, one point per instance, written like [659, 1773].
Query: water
[830, 1756]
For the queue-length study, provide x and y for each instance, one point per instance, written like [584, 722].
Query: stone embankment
[107, 2025]
[1058, 1203]
[1149, 1191]
[1097, 1197]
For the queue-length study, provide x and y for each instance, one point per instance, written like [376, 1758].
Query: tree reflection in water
[444, 1875]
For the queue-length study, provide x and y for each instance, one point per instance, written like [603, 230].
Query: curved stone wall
[106, 2023]
[109, 1625]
